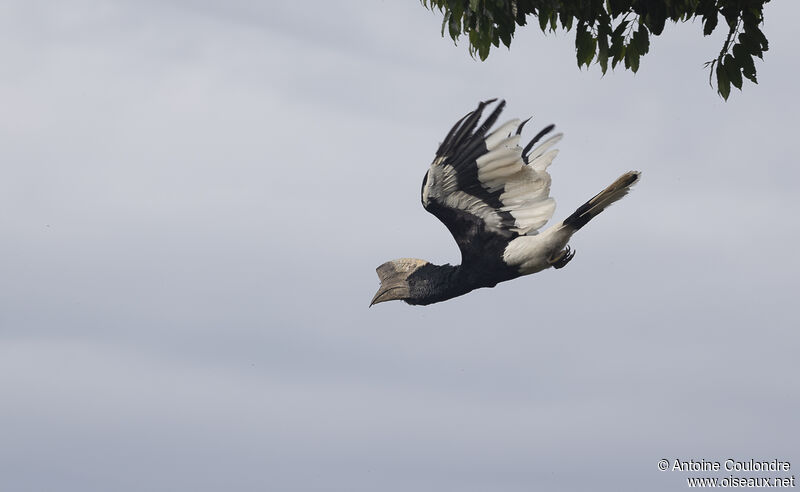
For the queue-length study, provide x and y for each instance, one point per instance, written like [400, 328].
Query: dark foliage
[615, 30]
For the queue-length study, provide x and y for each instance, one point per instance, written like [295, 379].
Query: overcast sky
[194, 197]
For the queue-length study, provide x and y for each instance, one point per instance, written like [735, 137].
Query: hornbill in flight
[493, 196]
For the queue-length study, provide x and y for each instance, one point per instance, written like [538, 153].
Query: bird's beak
[394, 279]
[389, 293]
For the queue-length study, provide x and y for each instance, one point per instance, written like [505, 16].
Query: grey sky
[194, 197]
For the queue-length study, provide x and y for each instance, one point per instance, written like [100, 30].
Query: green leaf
[506, 36]
[632, 58]
[604, 26]
[544, 16]
[734, 71]
[566, 20]
[709, 23]
[483, 51]
[620, 29]
[750, 44]
[473, 5]
[723, 84]
[618, 57]
[592, 50]
[618, 7]
[457, 12]
[585, 45]
[455, 27]
[617, 50]
[751, 77]
[751, 18]
[744, 60]
[602, 50]
[641, 40]
[731, 16]
[602, 59]
[761, 39]
[656, 17]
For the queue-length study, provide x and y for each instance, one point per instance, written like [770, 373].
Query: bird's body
[493, 196]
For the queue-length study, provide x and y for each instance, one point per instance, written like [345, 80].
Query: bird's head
[394, 279]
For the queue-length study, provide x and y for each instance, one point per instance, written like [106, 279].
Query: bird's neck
[436, 283]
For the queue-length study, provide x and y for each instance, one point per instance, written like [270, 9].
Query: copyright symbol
[663, 464]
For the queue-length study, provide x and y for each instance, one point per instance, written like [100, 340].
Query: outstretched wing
[486, 188]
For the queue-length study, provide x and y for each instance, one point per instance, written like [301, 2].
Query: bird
[493, 196]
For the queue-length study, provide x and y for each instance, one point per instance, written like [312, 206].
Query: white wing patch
[475, 206]
[521, 182]
[525, 187]
[443, 184]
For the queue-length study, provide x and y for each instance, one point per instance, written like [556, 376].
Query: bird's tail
[593, 207]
